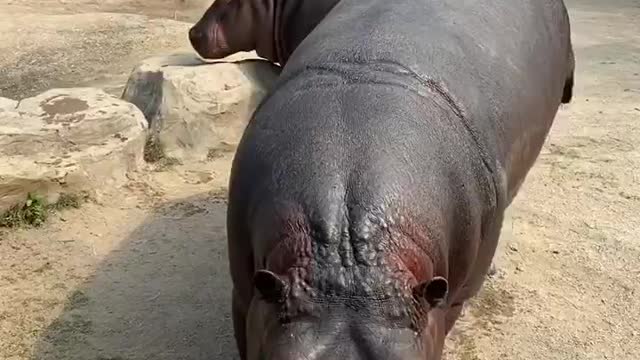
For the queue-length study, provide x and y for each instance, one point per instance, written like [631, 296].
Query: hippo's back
[503, 64]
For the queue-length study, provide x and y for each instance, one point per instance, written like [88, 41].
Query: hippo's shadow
[164, 294]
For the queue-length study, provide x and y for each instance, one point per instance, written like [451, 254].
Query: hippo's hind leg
[478, 273]
[239, 315]
[452, 316]
[241, 268]
[241, 293]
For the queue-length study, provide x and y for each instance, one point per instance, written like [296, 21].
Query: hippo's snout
[208, 41]
[195, 36]
[200, 40]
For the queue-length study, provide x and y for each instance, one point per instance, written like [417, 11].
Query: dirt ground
[141, 273]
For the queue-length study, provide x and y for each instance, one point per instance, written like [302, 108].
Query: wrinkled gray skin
[368, 191]
[273, 28]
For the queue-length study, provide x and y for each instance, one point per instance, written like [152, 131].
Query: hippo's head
[287, 322]
[273, 28]
[231, 26]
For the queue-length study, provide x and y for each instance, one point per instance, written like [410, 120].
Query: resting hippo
[368, 191]
[273, 28]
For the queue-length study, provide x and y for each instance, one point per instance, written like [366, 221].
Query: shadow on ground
[163, 294]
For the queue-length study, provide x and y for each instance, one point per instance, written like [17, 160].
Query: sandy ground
[141, 273]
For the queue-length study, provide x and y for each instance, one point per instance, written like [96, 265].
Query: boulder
[7, 104]
[67, 141]
[196, 108]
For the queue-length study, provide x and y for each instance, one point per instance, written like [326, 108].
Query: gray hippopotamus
[368, 191]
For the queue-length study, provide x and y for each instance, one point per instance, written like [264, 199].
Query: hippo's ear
[271, 287]
[434, 291]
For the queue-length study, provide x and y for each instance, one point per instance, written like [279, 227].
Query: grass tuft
[154, 154]
[32, 212]
[35, 210]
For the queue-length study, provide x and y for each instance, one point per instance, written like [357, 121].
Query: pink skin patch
[408, 254]
[294, 248]
[219, 40]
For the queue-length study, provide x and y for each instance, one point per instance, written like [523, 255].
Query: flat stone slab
[67, 140]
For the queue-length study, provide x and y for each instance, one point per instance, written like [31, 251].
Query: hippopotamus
[273, 28]
[367, 193]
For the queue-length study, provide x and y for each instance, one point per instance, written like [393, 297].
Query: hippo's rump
[400, 109]
[367, 150]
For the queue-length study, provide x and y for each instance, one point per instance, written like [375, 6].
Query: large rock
[7, 104]
[194, 108]
[67, 140]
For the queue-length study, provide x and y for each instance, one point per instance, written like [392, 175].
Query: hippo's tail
[567, 93]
